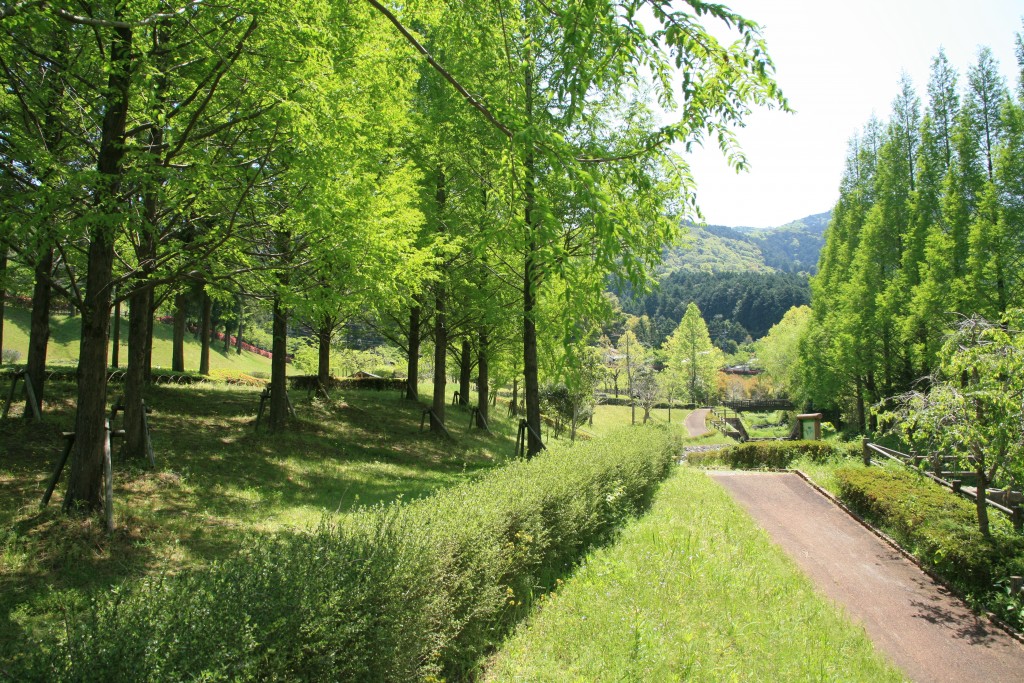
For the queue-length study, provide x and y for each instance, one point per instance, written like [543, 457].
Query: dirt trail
[695, 422]
[930, 634]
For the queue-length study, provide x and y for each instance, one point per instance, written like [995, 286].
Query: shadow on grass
[217, 482]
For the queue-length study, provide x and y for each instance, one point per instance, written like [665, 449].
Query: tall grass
[693, 591]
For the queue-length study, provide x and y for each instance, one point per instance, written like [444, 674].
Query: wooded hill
[742, 279]
[790, 248]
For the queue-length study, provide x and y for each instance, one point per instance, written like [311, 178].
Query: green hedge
[777, 455]
[397, 593]
[941, 529]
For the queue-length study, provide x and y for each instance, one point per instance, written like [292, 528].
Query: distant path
[923, 629]
[695, 422]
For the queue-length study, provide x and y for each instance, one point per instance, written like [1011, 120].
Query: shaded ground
[926, 631]
[695, 422]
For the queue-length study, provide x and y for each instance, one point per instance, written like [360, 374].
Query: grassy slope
[216, 482]
[692, 591]
[65, 332]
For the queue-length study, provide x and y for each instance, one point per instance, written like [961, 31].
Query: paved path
[923, 629]
[695, 422]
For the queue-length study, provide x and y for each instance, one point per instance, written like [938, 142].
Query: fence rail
[1015, 513]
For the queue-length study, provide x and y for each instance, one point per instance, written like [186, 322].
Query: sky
[837, 63]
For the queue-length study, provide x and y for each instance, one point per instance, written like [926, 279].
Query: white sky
[837, 62]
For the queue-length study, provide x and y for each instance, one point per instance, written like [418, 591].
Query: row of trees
[927, 230]
[455, 172]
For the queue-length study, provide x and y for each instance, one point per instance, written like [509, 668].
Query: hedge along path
[926, 631]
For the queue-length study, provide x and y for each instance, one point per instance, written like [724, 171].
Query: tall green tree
[692, 357]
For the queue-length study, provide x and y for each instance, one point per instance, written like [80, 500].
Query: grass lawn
[65, 331]
[216, 483]
[694, 590]
[609, 418]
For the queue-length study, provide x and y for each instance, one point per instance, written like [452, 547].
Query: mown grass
[609, 418]
[65, 332]
[692, 591]
[217, 483]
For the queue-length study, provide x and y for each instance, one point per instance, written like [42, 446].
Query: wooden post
[108, 480]
[1017, 516]
[263, 403]
[145, 431]
[10, 396]
[69, 441]
[32, 397]
[866, 452]
[955, 485]
[1016, 583]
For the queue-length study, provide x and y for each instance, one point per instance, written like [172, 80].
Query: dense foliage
[772, 455]
[927, 230]
[736, 306]
[391, 594]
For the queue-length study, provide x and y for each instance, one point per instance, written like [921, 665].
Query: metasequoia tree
[568, 73]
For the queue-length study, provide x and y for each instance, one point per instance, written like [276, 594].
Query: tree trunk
[147, 368]
[135, 377]
[515, 396]
[178, 343]
[412, 390]
[278, 368]
[241, 325]
[86, 477]
[465, 370]
[531, 383]
[3, 295]
[440, 375]
[483, 380]
[323, 371]
[981, 501]
[115, 334]
[39, 334]
[204, 334]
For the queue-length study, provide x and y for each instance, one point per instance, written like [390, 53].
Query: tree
[692, 357]
[779, 352]
[632, 355]
[567, 77]
[974, 405]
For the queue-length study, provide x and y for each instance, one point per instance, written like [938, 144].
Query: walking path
[924, 630]
[695, 422]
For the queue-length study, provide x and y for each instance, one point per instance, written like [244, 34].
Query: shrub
[394, 593]
[10, 356]
[777, 455]
[236, 377]
[938, 527]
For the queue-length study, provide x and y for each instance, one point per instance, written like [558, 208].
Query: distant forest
[738, 307]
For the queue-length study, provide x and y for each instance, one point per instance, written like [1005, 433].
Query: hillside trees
[926, 232]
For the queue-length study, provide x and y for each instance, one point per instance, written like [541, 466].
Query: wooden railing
[939, 474]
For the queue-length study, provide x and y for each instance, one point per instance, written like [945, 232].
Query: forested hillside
[742, 279]
[737, 307]
[790, 248]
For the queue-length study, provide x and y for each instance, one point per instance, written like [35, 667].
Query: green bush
[938, 527]
[778, 455]
[395, 593]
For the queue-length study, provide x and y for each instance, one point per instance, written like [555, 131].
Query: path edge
[888, 540]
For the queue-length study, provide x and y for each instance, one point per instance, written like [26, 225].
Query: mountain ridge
[790, 248]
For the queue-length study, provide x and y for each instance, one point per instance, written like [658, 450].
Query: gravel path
[927, 632]
[695, 422]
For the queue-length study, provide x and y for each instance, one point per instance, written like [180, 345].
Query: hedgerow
[403, 592]
[939, 528]
[778, 455]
